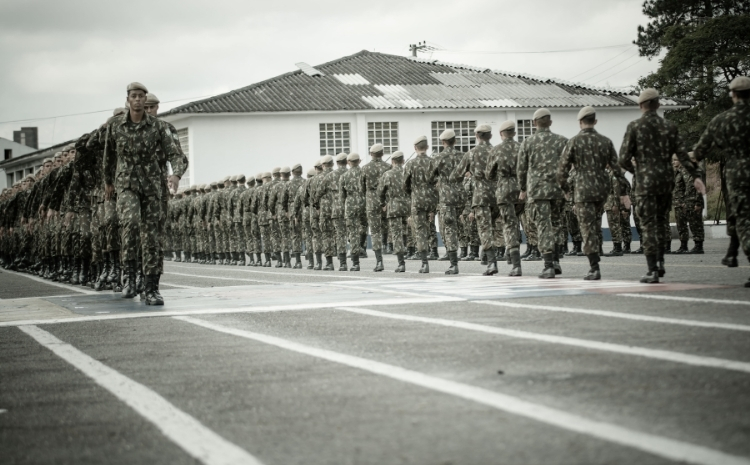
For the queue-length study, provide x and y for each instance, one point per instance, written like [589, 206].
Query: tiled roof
[369, 80]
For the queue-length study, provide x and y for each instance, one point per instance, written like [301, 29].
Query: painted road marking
[182, 429]
[625, 316]
[285, 273]
[688, 299]
[221, 278]
[656, 445]
[666, 355]
[70, 287]
[230, 310]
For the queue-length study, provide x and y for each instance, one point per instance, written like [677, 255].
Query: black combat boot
[453, 269]
[83, 277]
[484, 258]
[616, 250]
[433, 255]
[187, 257]
[153, 297]
[730, 260]
[472, 255]
[527, 252]
[258, 259]
[500, 253]
[279, 262]
[668, 248]
[594, 273]
[76, 275]
[491, 263]
[329, 263]
[683, 248]
[114, 272]
[101, 279]
[241, 258]
[140, 282]
[698, 249]
[129, 289]
[626, 248]
[363, 242]
[378, 260]
[401, 268]
[318, 261]
[564, 249]
[576, 248]
[425, 263]
[310, 261]
[652, 277]
[660, 263]
[355, 263]
[556, 262]
[462, 254]
[177, 256]
[536, 255]
[287, 260]
[411, 253]
[267, 263]
[561, 249]
[445, 257]
[638, 251]
[342, 262]
[549, 267]
[515, 259]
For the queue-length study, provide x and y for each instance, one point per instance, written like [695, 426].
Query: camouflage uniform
[501, 171]
[353, 199]
[392, 194]
[237, 232]
[247, 216]
[690, 217]
[483, 196]
[317, 239]
[678, 203]
[417, 185]
[570, 217]
[612, 206]
[325, 189]
[295, 224]
[371, 174]
[337, 213]
[451, 195]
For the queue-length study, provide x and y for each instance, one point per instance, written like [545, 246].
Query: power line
[570, 50]
[600, 64]
[620, 71]
[613, 66]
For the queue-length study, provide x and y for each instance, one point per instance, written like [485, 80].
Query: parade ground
[248, 365]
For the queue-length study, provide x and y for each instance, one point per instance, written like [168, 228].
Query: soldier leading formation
[98, 214]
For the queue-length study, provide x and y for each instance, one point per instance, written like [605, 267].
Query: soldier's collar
[547, 129]
[147, 119]
[588, 130]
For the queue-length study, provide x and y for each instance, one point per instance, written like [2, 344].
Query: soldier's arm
[628, 150]
[460, 170]
[110, 156]
[563, 166]
[174, 154]
[622, 182]
[522, 166]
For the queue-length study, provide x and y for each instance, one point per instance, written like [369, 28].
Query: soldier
[397, 206]
[275, 232]
[590, 152]
[255, 225]
[246, 214]
[612, 208]
[294, 214]
[236, 234]
[337, 215]
[304, 208]
[501, 170]
[264, 216]
[625, 230]
[371, 174]
[537, 161]
[678, 205]
[417, 184]
[317, 239]
[278, 205]
[729, 132]
[352, 197]
[325, 189]
[471, 234]
[691, 213]
[571, 218]
[652, 141]
[451, 195]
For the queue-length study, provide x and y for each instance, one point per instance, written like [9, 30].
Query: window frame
[464, 129]
[334, 138]
[390, 143]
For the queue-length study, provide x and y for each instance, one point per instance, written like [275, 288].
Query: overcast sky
[77, 56]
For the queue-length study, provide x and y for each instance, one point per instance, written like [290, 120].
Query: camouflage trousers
[484, 218]
[589, 216]
[307, 231]
[339, 224]
[191, 239]
[275, 237]
[547, 217]
[738, 217]
[96, 234]
[529, 228]
[250, 245]
[139, 215]
[468, 232]
[237, 239]
[421, 219]
[327, 234]
[574, 228]
[266, 242]
[295, 234]
[83, 247]
[111, 224]
[449, 224]
[354, 231]
[217, 232]
[689, 221]
[317, 239]
[654, 213]
[615, 228]
[397, 227]
[507, 226]
[375, 222]
[625, 230]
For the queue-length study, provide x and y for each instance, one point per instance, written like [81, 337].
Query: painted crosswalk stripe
[676, 357]
[625, 316]
[656, 445]
[182, 429]
[687, 299]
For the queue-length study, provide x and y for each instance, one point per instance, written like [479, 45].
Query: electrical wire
[542, 51]
[600, 64]
[613, 66]
[620, 71]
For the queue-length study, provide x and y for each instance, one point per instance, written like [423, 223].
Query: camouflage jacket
[475, 162]
[299, 208]
[450, 191]
[371, 174]
[678, 191]
[391, 193]
[538, 160]
[312, 187]
[692, 197]
[204, 207]
[262, 202]
[325, 189]
[652, 141]
[290, 194]
[350, 190]
[235, 192]
[246, 203]
[590, 153]
[59, 188]
[729, 133]
[225, 215]
[501, 171]
[615, 190]
[468, 195]
[337, 210]
[417, 183]
[133, 154]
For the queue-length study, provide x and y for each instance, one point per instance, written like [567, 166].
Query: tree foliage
[707, 44]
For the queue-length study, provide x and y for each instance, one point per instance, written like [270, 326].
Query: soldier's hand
[174, 183]
[385, 209]
[699, 186]
[49, 213]
[432, 217]
[471, 216]
[109, 191]
[522, 196]
[615, 211]
[698, 208]
[625, 200]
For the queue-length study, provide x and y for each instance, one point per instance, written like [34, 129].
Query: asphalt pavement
[248, 365]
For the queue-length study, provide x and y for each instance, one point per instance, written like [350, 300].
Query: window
[29, 171]
[19, 176]
[182, 134]
[525, 129]
[9, 179]
[8, 154]
[37, 168]
[464, 130]
[383, 133]
[334, 138]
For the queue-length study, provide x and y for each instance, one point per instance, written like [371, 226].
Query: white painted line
[688, 299]
[676, 357]
[232, 310]
[221, 278]
[625, 316]
[656, 445]
[80, 289]
[181, 286]
[346, 275]
[182, 429]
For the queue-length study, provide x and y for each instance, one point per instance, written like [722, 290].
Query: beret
[221, 183]
[296, 166]
[241, 178]
[508, 125]
[276, 170]
[227, 178]
[318, 162]
[48, 160]
[483, 128]
[740, 83]
[151, 99]
[137, 86]
[326, 159]
[30, 178]
[118, 111]
[586, 111]
[420, 139]
[541, 113]
[259, 176]
[285, 169]
[58, 154]
[267, 174]
[341, 157]
[448, 134]
[397, 155]
[195, 187]
[214, 184]
[187, 190]
[648, 94]
[70, 147]
[376, 148]
[353, 157]
[311, 172]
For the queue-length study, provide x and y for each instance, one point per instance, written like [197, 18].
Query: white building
[11, 172]
[354, 102]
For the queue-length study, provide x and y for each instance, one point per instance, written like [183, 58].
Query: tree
[707, 44]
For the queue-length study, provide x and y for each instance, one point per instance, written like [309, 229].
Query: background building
[25, 142]
[14, 169]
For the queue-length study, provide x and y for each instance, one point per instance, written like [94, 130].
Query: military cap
[740, 83]
[483, 128]
[318, 162]
[186, 190]
[541, 113]
[448, 134]
[267, 174]
[341, 157]
[259, 176]
[195, 187]
[58, 155]
[376, 148]
[397, 155]
[241, 178]
[151, 99]
[648, 94]
[221, 183]
[69, 147]
[586, 111]
[137, 86]
[311, 172]
[214, 184]
[326, 160]
[119, 111]
[285, 169]
[48, 160]
[276, 170]
[296, 166]
[30, 178]
[420, 139]
[352, 157]
[508, 125]
[205, 187]
[227, 178]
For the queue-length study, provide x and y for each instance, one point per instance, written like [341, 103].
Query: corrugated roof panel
[352, 79]
[410, 103]
[379, 102]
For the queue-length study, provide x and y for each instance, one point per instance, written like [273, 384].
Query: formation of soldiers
[552, 186]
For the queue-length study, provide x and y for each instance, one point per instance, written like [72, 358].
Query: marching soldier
[417, 184]
[451, 196]
[371, 174]
[397, 206]
[350, 190]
